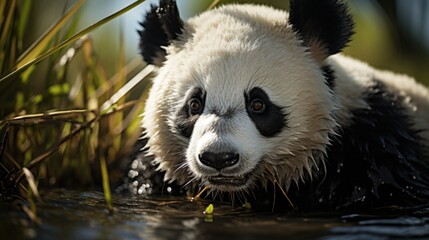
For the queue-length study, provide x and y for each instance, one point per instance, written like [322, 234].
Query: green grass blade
[106, 184]
[38, 46]
[109, 104]
[25, 13]
[70, 40]
[2, 6]
[7, 24]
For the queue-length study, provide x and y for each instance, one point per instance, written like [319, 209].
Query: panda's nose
[218, 160]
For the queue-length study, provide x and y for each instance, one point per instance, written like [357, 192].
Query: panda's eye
[257, 106]
[195, 106]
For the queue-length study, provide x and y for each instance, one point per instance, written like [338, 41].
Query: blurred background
[390, 34]
[62, 118]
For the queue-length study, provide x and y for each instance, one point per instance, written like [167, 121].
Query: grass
[63, 121]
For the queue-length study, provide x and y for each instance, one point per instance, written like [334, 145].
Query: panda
[254, 104]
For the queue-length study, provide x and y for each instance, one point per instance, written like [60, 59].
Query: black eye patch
[188, 114]
[271, 120]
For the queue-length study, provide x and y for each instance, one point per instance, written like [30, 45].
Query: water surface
[83, 215]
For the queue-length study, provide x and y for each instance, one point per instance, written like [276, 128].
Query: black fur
[272, 121]
[323, 21]
[161, 25]
[379, 155]
[329, 75]
[185, 120]
[376, 161]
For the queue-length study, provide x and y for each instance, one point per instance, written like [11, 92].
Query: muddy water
[82, 215]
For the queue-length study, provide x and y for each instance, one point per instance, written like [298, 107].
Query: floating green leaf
[209, 209]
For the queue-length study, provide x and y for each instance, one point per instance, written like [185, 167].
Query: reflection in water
[74, 215]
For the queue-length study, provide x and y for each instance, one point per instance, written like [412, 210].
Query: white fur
[229, 51]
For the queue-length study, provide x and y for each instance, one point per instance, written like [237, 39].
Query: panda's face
[239, 111]
[229, 118]
[240, 98]
[232, 135]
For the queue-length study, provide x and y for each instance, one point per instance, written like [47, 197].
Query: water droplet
[135, 183]
[339, 166]
[134, 164]
[133, 173]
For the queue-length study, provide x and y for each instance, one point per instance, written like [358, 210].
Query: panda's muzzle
[228, 180]
[220, 161]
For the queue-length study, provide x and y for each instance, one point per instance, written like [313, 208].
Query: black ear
[161, 25]
[325, 26]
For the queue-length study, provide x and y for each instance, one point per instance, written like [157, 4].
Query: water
[83, 215]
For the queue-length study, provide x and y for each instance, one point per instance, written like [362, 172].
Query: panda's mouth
[234, 181]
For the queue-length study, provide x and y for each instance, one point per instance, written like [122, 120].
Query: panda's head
[240, 98]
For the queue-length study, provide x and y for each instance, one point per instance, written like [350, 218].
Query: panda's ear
[325, 26]
[161, 25]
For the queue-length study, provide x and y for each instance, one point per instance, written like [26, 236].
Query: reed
[61, 125]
